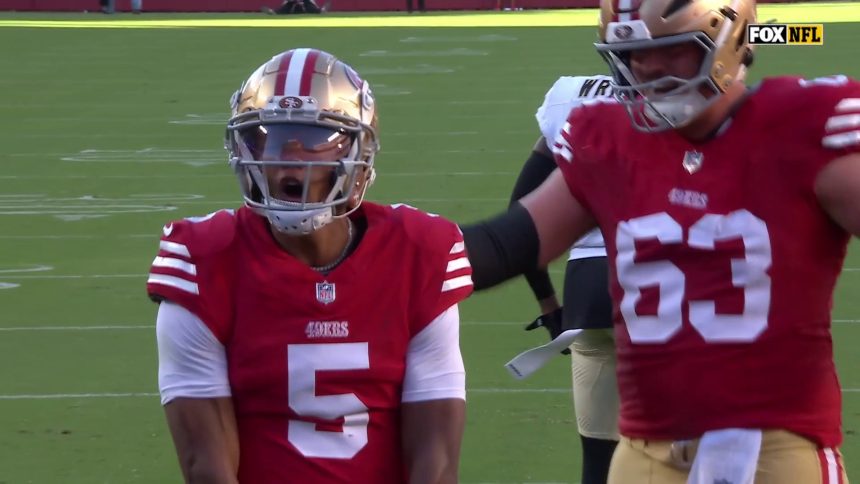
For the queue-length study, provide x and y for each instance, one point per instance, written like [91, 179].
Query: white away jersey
[566, 94]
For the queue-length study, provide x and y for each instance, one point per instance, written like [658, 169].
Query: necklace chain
[331, 265]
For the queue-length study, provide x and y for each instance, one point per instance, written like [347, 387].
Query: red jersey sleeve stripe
[842, 121]
[456, 283]
[457, 264]
[178, 264]
[173, 282]
[841, 140]
[842, 128]
[458, 248]
[848, 104]
[174, 248]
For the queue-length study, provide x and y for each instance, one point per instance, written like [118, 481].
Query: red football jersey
[316, 363]
[723, 262]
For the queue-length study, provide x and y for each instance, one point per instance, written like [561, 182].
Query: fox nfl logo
[786, 34]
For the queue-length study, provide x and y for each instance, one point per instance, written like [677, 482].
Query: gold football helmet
[717, 26]
[303, 101]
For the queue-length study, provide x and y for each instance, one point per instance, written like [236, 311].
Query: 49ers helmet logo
[290, 102]
[623, 32]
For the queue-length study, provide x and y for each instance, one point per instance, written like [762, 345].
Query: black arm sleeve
[536, 170]
[502, 247]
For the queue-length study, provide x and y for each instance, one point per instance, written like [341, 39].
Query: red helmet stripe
[283, 67]
[295, 71]
[308, 73]
[625, 10]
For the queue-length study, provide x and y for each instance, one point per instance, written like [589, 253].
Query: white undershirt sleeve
[434, 366]
[191, 361]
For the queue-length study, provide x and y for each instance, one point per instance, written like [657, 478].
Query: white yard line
[113, 327]
[71, 276]
[58, 396]
[153, 235]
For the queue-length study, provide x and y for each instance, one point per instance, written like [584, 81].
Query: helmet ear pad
[363, 181]
[748, 58]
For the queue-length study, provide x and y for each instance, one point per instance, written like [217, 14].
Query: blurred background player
[587, 304]
[290, 7]
[109, 6]
[314, 335]
[410, 3]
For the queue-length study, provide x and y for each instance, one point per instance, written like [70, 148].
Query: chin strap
[299, 222]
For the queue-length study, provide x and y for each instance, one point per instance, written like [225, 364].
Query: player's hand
[552, 322]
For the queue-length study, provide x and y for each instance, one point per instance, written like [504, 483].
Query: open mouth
[290, 189]
[666, 86]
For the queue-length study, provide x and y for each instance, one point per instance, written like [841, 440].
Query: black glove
[552, 322]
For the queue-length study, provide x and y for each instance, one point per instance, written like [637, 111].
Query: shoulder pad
[446, 277]
[202, 236]
[426, 230]
[189, 269]
[825, 107]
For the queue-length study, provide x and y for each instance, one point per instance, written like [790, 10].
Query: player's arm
[195, 392]
[432, 432]
[535, 171]
[204, 434]
[533, 232]
[558, 216]
[433, 412]
[838, 189]
[837, 184]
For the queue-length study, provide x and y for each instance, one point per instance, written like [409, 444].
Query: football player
[726, 230]
[586, 291]
[307, 336]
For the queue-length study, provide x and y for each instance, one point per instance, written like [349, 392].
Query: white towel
[726, 456]
[530, 361]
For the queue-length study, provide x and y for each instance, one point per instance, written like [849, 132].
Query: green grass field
[106, 134]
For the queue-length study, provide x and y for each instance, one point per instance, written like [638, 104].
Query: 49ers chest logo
[327, 329]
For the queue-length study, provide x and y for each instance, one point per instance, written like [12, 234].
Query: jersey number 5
[749, 273]
[303, 362]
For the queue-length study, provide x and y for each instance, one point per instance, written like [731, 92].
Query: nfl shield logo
[693, 161]
[325, 292]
